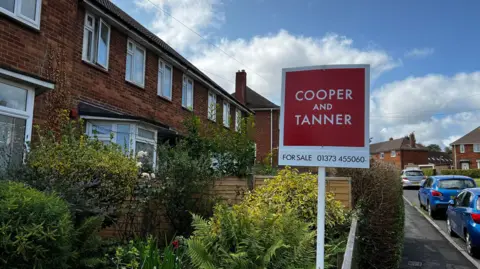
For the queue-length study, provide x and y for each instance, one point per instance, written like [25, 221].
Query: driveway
[423, 243]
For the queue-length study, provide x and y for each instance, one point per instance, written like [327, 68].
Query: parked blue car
[436, 192]
[463, 218]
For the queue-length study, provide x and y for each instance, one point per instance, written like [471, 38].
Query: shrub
[291, 190]
[92, 177]
[35, 228]
[473, 173]
[377, 193]
[242, 237]
[428, 172]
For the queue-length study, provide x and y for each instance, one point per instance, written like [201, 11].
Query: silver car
[412, 177]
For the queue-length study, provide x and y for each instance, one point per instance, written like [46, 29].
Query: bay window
[25, 11]
[135, 68]
[96, 41]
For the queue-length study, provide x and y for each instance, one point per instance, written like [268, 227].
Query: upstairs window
[476, 147]
[462, 148]
[135, 70]
[238, 119]
[165, 76]
[393, 153]
[96, 41]
[212, 106]
[226, 114]
[187, 93]
[26, 11]
[382, 155]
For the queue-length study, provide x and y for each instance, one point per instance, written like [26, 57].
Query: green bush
[377, 193]
[428, 172]
[35, 228]
[473, 173]
[242, 237]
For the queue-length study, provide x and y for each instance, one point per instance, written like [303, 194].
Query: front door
[465, 166]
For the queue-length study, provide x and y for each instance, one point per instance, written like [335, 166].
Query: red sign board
[325, 109]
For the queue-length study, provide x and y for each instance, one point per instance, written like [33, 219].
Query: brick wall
[61, 30]
[262, 133]
[397, 161]
[415, 157]
[468, 155]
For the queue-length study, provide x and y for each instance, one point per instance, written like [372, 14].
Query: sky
[424, 55]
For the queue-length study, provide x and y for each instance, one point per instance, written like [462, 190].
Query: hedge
[473, 173]
[428, 172]
[377, 194]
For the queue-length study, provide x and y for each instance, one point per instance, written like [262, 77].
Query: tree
[448, 150]
[434, 147]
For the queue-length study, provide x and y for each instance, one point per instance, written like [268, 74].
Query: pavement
[424, 246]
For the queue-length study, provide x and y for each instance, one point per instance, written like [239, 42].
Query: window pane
[12, 139]
[89, 42]
[123, 136]
[29, 8]
[146, 134]
[138, 72]
[13, 97]
[149, 148]
[128, 73]
[8, 4]
[103, 45]
[102, 129]
[167, 82]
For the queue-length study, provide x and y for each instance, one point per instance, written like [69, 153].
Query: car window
[429, 182]
[459, 198]
[414, 173]
[466, 200]
[455, 184]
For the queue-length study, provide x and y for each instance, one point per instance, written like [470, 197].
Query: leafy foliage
[377, 193]
[240, 237]
[35, 228]
[473, 173]
[434, 147]
[428, 172]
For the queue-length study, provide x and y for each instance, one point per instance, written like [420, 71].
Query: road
[412, 196]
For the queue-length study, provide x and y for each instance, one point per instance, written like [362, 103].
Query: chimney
[391, 138]
[241, 86]
[413, 143]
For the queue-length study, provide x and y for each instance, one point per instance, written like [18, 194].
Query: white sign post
[324, 123]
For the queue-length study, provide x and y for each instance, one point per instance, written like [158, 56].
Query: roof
[471, 138]
[475, 191]
[110, 8]
[395, 144]
[256, 100]
[438, 157]
[444, 177]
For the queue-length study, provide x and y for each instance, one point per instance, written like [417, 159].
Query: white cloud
[198, 15]
[437, 108]
[419, 53]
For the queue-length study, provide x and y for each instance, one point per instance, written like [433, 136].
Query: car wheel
[471, 250]
[431, 212]
[449, 228]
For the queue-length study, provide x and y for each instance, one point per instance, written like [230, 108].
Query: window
[478, 164]
[96, 41]
[466, 200]
[187, 93]
[238, 119]
[476, 147]
[16, 111]
[131, 137]
[462, 148]
[26, 11]
[135, 70]
[212, 106]
[456, 184]
[414, 173]
[382, 155]
[165, 77]
[226, 114]
[393, 153]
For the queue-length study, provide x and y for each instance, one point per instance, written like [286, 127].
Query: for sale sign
[324, 116]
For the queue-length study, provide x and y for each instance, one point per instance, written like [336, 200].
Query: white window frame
[238, 119]
[212, 106]
[476, 148]
[96, 34]
[393, 153]
[135, 46]
[478, 164]
[161, 78]
[185, 104]
[17, 7]
[462, 148]
[382, 155]
[134, 137]
[226, 114]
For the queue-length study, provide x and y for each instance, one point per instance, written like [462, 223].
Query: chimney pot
[413, 143]
[391, 138]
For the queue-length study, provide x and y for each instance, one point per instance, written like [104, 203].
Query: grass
[477, 180]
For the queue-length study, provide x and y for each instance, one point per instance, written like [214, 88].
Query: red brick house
[91, 57]
[466, 151]
[401, 152]
[267, 118]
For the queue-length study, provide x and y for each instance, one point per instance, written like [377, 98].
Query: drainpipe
[455, 156]
[271, 137]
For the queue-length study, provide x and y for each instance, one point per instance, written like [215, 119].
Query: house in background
[466, 151]
[267, 118]
[107, 69]
[400, 152]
